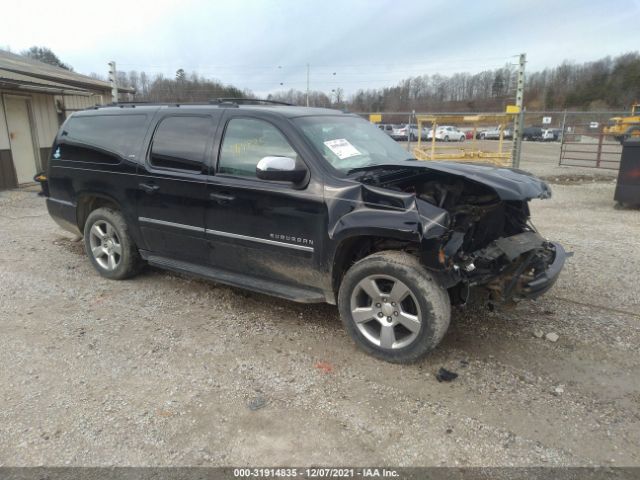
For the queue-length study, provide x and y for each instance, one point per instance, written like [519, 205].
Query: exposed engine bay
[490, 241]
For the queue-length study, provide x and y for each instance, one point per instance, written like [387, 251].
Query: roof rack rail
[141, 104]
[217, 101]
[250, 101]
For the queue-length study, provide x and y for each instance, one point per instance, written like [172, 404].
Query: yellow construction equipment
[624, 127]
[464, 153]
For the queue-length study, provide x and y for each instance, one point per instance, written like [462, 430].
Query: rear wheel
[446, 138]
[393, 308]
[109, 246]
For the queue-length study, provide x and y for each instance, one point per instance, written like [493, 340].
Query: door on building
[21, 137]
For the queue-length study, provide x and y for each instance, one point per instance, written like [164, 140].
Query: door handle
[150, 188]
[222, 198]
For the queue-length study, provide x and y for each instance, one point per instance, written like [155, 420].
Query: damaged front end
[521, 266]
[489, 241]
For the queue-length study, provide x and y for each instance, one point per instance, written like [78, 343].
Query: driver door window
[246, 141]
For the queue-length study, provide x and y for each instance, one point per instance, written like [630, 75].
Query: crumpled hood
[508, 183]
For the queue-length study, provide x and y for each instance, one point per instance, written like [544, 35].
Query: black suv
[311, 205]
[532, 134]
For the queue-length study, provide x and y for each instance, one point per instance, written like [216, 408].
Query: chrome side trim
[170, 224]
[226, 234]
[259, 240]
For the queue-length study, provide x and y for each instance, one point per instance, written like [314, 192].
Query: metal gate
[582, 147]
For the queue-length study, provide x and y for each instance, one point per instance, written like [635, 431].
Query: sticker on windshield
[342, 148]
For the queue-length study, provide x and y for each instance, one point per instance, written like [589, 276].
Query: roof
[17, 69]
[32, 83]
[289, 111]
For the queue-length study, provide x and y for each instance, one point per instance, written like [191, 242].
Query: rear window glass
[101, 138]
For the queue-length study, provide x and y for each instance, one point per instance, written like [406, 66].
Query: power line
[336, 65]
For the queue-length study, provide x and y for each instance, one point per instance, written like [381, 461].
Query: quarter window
[101, 138]
[181, 143]
[246, 142]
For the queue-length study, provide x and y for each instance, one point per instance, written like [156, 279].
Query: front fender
[367, 210]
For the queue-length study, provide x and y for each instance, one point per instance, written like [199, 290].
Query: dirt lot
[162, 370]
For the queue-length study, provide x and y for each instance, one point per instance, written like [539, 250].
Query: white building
[35, 98]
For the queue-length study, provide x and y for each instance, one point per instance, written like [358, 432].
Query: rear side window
[101, 138]
[181, 143]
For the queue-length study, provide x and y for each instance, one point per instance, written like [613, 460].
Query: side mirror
[281, 169]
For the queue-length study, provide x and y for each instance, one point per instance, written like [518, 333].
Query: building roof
[25, 82]
[18, 69]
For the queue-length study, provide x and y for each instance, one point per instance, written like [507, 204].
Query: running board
[268, 287]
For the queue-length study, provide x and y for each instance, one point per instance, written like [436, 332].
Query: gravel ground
[166, 370]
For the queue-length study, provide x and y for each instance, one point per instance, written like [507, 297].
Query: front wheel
[393, 308]
[109, 245]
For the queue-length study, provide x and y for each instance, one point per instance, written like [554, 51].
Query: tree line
[607, 83]
[183, 88]
[610, 83]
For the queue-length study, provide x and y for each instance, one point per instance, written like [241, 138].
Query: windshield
[351, 142]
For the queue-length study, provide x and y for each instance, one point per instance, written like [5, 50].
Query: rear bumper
[545, 280]
[64, 214]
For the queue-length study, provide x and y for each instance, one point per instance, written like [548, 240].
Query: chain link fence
[579, 134]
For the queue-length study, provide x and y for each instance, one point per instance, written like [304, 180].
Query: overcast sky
[348, 43]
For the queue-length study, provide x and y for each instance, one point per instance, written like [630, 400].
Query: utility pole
[113, 81]
[564, 124]
[411, 116]
[307, 84]
[519, 120]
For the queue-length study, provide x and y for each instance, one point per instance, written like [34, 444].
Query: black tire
[127, 262]
[446, 138]
[463, 138]
[430, 299]
[482, 135]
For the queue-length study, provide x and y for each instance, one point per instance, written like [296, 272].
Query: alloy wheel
[386, 311]
[105, 245]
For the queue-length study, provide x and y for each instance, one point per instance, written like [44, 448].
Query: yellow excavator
[622, 128]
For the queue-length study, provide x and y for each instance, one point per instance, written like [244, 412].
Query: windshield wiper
[379, 174]
[383, 166]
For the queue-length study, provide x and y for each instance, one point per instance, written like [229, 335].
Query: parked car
[402, 132]
[532, 133]
[494, 134]
[551, 134]
[447, 134]
[386, 128]
[312, 205]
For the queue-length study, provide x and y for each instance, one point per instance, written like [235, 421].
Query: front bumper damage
[522, 266]
[545, 280]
